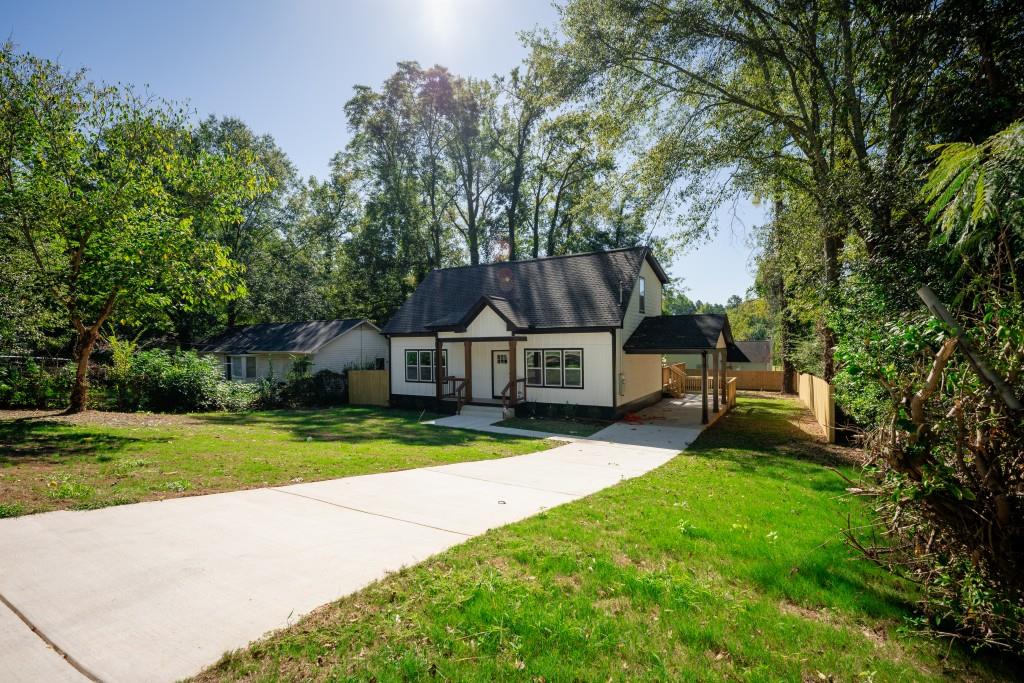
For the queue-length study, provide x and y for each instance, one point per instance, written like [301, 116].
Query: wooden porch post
[725, 377]
[437, 367]
[714, 380]
[704, 387]
[513, 394]
[468, 346]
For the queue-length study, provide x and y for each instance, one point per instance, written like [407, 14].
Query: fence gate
[368, 387]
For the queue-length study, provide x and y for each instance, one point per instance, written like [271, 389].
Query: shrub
[322, 389]
[29, 384]
[182, 381]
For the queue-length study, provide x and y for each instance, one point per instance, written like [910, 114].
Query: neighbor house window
[243, 367]
[554, 368]
[643, 295]
[419, 365]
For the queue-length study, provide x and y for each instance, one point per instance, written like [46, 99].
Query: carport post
[724, 379]
[704, 387]
[714, 381]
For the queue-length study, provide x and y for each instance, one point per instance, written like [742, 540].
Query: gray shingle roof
[577, 290]
[679, 333]
[754, 351]
[299, 337]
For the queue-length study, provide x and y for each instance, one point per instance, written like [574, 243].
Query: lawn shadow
[29, 440]
[357, 424]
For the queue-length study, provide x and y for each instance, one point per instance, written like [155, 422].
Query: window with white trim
[643, 295]
[554, 368]
[419, 365]
[242, 367]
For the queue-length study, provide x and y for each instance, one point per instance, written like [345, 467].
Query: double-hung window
[572, 372]
[243, 367]
[643, 295]
[419, 365]
[554, 368]
[534, 368]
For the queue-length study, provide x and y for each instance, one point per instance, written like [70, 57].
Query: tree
[522, 110]
[94, 181]
[472, 148]
[828, 99]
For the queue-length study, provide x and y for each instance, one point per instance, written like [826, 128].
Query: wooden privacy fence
[817, 395]
[749, 380]
[368, 387]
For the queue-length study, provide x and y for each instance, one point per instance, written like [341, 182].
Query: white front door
[499, 372]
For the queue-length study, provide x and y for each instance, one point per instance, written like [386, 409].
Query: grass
[725, 564]
[555, 426]
[111, 459]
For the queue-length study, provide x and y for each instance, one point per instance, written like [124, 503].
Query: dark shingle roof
[300, 337]
[678, 333]
[754, 351]
[578, 290]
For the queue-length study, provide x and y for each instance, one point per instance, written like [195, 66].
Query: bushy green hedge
[28, 384]
[180, 381]
[325, 388]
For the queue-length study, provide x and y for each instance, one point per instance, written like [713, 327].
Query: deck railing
[673, 379]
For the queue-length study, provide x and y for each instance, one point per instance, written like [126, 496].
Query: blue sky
[287, 68]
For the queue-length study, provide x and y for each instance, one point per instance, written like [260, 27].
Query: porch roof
[683, 334]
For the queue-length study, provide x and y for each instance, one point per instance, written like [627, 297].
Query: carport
[706, 335]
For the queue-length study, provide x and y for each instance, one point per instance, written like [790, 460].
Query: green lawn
[725, 564]
[555, 426]
[109, 459]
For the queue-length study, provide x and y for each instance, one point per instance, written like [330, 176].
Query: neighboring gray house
[270, 349]
[570, 334]
[747, 355]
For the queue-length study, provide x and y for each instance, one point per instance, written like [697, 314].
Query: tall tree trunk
[83, 350]
[536, 218]
[833, 245]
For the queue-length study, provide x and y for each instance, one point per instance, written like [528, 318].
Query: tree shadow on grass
[42, 441]
[357, 424]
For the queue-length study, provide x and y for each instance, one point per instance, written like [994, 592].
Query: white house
[563, 334]
[270, 349]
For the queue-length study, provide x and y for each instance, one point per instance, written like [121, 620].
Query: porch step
[482, 411]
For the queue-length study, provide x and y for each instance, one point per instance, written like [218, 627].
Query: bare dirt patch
[100, 418]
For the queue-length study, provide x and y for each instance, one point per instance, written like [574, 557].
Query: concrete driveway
[157, 591]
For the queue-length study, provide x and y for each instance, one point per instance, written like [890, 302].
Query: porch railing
[518, 386]
[454, 389]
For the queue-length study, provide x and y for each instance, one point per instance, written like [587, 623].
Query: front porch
[506, 389]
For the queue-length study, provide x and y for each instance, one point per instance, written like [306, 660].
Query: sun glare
[439, 17]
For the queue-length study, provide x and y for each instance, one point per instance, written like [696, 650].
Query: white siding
[598, 384]
[359, 346]
[639, 374]
[399, 385]
[597, 369]
[652, 304]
